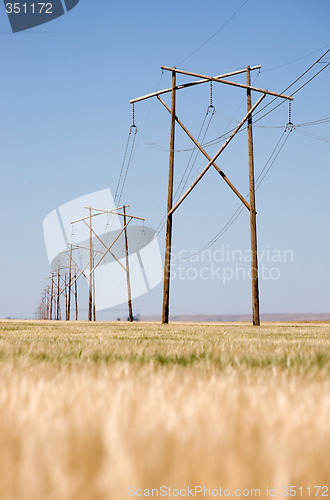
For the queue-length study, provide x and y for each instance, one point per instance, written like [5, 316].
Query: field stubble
[87, 410]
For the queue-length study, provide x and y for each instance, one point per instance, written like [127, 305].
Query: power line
[313, 136]
[325, 120]
[295, 60]
[129, 150]
[291, 85]
[128, 165]
[226, 134]
[217, 139]
[123, 165]
[316, 122]
[270, 162]
[214, 34]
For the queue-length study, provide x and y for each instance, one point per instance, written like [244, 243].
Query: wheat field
[116, 410]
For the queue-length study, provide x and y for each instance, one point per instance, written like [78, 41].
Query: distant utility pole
[51, 295]
[211, 163]
[50, 303]
[69, 285]
[58, 309]
[107, 249]
[94, 307]
[76, 295]
[129, 293]
[90, 303]
[65, 292]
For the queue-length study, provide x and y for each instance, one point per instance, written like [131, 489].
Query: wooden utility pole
[168, 244]
[58, 310]
[90, 302]
[94, 307]
[76, 295]
[69, 285]
[129, 292]
[107, 248]
[65, 290]
[51, 296]
[253, 222]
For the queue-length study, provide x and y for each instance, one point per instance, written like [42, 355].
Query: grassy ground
[89, 410]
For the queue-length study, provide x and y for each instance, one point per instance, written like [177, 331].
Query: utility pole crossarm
[186, 85]
[114, 211]
[184, 196]
[227, 82]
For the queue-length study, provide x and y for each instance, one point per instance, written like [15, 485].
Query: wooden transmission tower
[107, 249]
[211, 163]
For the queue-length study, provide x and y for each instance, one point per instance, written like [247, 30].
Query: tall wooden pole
[168, 243]
[69, 285]
[47, 302]
[51, 296]
[66, 296]
[58, 312]
[76, 294]
[253, 222]
[90, 301]
[94, 307]
[129, 292]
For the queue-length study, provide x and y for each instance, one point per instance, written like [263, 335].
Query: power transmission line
[214, 34]
[270, 162]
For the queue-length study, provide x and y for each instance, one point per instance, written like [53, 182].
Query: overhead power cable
[123, 165]
[274, 153]
[192, 159]
[313, 136]
[261, 177]
[295, 60]
[214, 34]
[291, 85]
[217, 139]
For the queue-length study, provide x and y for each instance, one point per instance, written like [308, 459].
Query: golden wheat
[89, 410]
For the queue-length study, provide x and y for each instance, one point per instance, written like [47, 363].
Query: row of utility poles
[64, 285]
[59, 285]
[250, 205]
[63, 281]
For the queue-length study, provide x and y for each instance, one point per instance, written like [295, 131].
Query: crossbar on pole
[227, 82]
[191, 84]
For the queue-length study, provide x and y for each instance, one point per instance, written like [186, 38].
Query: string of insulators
[133, 116]
[211, 107]
[290, 123]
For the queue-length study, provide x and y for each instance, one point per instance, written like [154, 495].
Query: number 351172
[29, 8]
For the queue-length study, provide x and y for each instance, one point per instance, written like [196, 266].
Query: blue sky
[65, 116]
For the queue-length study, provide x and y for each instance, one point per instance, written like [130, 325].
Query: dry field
[88, 411]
